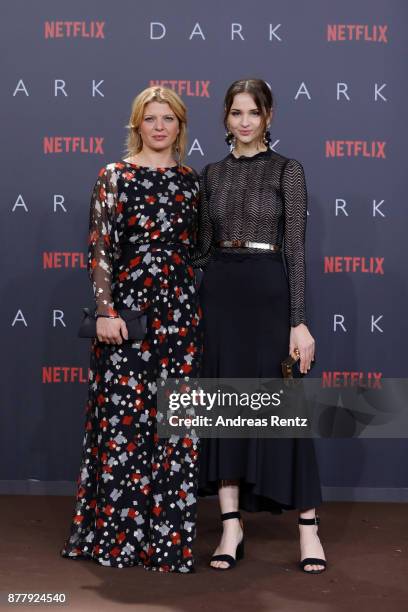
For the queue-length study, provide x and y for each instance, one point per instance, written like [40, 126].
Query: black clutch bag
[136, 323]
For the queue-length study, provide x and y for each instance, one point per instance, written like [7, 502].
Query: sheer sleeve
[295, 203]
[100, 248]
[204, 245]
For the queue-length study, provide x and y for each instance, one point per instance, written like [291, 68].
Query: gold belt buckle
[233, 244]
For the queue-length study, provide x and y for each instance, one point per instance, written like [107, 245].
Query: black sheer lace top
[263, 199]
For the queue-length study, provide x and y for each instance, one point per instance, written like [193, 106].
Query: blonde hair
[134, 142]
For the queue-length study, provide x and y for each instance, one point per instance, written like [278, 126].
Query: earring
[230, 140]
[267, 139]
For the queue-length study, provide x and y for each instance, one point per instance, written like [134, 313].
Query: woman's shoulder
[283, 161]
[213, 167]
[188, 170]
[279, 157]
[288, 167]
[292, 166]
[112, 167]
[220, 163]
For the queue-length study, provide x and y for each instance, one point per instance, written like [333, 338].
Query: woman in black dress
[252, 201]
[136, 497]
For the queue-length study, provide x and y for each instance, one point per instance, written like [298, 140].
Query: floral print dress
[136, 495]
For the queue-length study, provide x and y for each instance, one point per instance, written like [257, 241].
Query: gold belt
[248, 244]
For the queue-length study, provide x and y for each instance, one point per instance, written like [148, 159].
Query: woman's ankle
[308, 513]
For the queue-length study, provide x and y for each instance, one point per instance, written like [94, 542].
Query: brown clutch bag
[291, 366]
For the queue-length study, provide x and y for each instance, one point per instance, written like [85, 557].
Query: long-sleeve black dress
[136, 497]
[249, 301]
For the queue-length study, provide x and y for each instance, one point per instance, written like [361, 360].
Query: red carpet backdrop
[71, 70]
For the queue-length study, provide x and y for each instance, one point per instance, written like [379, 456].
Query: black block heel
[239, 553]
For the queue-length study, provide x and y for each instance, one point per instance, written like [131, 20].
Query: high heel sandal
[239, 553]
[311, 560]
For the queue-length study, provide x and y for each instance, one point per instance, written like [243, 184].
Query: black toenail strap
[313, 561]
[227, 558]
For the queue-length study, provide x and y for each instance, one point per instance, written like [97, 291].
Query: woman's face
[159, 127]
[244, 119]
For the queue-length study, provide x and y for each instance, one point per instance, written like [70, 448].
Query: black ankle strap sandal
[231, 515]
[312, 560]
[239, 553]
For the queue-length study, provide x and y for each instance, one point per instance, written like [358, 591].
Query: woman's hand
[111, 331]
[301, 338]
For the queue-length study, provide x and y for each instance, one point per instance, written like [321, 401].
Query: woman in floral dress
[136, 496]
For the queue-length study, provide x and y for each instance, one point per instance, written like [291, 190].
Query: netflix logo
[340, 263]
[370, 380]
[56, 259]
[357, 32]
[355, 148]
[73, 144]
[74, 29]
[64, 374]
[198, 89]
